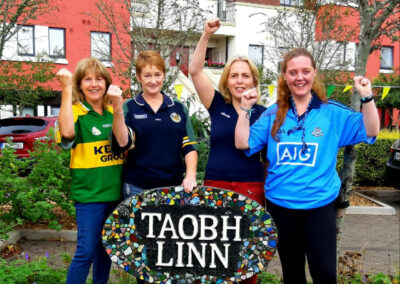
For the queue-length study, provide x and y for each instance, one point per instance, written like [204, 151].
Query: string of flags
[178, 89]
[329, 89]
[385, 91]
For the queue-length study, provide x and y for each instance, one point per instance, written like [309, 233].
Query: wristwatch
[367, 99]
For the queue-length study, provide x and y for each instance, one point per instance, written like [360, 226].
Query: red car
[24, 131]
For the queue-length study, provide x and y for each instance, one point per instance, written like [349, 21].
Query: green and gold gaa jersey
[95, 171]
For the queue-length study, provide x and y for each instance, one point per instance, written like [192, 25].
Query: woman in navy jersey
[228, 167]
[303, 132]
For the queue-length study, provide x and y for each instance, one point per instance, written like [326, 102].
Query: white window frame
[22, 37]
[95, 39]
[260, 57]
[52, 54]
[388, 60]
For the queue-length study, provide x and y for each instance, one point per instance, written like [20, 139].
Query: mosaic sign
[210, 234]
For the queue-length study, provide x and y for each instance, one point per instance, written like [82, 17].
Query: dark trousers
[306, 233]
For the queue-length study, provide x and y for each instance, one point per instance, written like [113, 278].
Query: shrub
[33, 196]
[22, 271]
[370, 162]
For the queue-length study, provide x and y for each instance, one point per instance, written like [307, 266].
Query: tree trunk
[349, 157]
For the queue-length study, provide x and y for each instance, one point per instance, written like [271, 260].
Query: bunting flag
[178, 90]
[330, 90]
[271, 89]
[385, 92]
[347, 88]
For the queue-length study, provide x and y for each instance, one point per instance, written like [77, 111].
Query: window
[101, 46]
[209, 53]
[387, 57]
[256, 54]
[221, 12]
[25, 40]
[341, 54]
[291, 2]
[57, 43]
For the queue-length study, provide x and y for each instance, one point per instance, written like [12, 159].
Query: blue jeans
[90, 218]
[130, 189]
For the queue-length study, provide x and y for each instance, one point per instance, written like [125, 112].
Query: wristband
[249, 111]
[367, 99]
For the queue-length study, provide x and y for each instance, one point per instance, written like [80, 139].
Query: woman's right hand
[211, 26]
[64, 76]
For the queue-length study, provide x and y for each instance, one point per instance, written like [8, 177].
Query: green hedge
[370, 162]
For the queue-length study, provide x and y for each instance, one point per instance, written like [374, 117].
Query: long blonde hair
[223, 81]
[284, 92]
[83, 67]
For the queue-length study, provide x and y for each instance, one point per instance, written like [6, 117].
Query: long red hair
[284, 92]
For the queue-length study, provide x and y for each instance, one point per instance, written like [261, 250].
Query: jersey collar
[167, 102]
[315, 104]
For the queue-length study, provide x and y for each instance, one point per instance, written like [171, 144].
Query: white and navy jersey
[306, 180]
[161, 141]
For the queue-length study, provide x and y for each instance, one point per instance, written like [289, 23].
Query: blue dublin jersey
[306, 179]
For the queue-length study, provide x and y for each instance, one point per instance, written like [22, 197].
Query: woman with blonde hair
[228, 167]
[85, 122]
[303, 132]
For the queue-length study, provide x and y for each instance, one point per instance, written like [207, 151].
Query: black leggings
[310, 233]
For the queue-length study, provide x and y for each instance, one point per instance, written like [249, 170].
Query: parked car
[392, 173]
[24, 131]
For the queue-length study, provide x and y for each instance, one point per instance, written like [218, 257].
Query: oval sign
[212, 234]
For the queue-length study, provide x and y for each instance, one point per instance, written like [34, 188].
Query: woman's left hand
[363, 86]
[189, 183]
[249, 98]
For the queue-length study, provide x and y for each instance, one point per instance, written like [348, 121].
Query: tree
[377, 19]
[168, 26]
[24, 84]
[312, 25]
[16, 13]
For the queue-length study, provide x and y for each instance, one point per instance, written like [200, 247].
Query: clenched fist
[115, 94]
[65, 77]
[211, 26]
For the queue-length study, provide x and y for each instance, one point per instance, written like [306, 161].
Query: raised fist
[211, 26]
[64, 76]
[115, 94]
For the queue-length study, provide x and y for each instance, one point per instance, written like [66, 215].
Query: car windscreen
[21, 125]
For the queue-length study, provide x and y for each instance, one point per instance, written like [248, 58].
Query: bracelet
[249, 111]
[367, 99]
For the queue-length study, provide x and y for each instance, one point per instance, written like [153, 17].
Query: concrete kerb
[381, 209]
[38, 235]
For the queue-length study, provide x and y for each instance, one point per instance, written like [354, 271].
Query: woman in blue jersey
[303, 132]
[85, 121]
[228, 167]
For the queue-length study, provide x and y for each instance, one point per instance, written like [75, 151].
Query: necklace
[300, 123]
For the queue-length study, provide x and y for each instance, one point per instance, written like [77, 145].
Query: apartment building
[74, 31]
